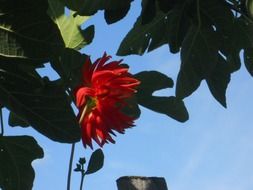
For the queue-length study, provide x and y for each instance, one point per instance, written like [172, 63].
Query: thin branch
[82, 177]
[2, 123]
[198, 14]
[70, 165]
[73, 150]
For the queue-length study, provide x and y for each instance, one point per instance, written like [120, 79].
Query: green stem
[73, 150]
[2, 123]
[82, 179]
[70, 165]
[198, 14]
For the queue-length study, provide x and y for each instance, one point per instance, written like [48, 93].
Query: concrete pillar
[141, 183]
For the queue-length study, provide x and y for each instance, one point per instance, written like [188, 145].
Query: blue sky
[213, 150]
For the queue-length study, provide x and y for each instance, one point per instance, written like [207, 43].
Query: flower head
[104, 92]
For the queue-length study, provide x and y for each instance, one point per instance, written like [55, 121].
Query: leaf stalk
[2, 123]
[73, 151]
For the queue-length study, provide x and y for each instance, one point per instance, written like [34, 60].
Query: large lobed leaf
[114, 10]
[70, 26]
[27, 32]
[69, 66]
[41, 103]
[152, 81]
[152, 30]
[16, 155]
[141, 37]
[208, 35]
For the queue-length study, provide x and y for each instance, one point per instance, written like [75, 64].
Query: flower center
[91, 103]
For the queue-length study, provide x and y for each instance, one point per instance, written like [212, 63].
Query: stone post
[141, 183]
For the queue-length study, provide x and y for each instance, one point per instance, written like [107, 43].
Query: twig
[70, 165]
[2, 123]
[73, 150]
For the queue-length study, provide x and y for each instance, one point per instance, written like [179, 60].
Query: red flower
[101, 98]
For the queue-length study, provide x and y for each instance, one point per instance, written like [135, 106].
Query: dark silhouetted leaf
[114, 9]
[132, 109]
[248, 60]
[141, 37]
[27, 32]
[43, 104]
[78, 168]
[166, 5]
[151, 7]
[70, 26]
[178, 23]
[152, 81]
[245, 29]
[96, 162]
[16, 155]
[148, 11]
[15, 120]
[199, 57]
[221, 17]
[218, 81]
[69, 66]
[112, 16]
[170, 106]
[82, 160]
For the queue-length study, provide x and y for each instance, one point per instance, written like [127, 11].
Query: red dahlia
[104, 92]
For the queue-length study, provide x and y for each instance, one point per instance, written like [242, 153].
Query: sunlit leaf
[249, 6]
[70, 26]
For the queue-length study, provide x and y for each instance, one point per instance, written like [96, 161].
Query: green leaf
[248, 60]
[112, 16]
[245, 30]
[70, 26]
[27, 32]
[16, 155]
[170, 106]
[96, 162]
[151, 7]
[219, 80]
[217, 14]
[152, 81]
[178, 23]
[141, 37]
[82, 161]
[114, 9]
[43, 104]
[166, 5]
[132, 109]
[249, 7]
[15, 120]
[199, 58]
[148, 11]
[69, 66]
